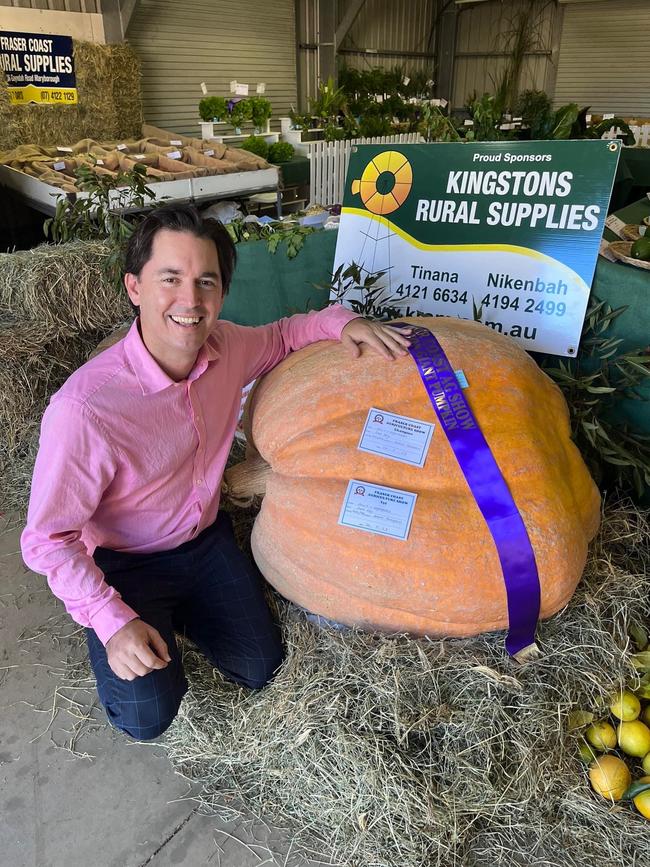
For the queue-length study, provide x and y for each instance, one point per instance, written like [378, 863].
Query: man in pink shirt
[124, 511]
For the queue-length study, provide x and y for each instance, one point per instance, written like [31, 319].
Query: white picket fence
[328, 164]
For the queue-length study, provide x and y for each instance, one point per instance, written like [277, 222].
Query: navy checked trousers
[210, 591]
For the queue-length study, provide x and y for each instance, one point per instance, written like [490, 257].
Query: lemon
[645, 764]
[601, 735]
[610, 777]
[625, 706]
[642, 801]
[634, 738]
[645, 716]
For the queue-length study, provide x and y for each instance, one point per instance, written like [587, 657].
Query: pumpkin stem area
[245, 481]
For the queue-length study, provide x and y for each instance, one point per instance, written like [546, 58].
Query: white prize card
[396, 436]
[377, 509]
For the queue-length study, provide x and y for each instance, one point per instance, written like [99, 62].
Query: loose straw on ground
[396, 752]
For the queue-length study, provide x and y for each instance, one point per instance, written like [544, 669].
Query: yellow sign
[42, 95]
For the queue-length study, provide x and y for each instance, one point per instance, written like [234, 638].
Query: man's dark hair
[180, 218]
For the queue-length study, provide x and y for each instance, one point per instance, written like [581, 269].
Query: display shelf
[44, 197]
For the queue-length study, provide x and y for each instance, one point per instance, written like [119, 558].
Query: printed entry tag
[377, 509]
[397, 437]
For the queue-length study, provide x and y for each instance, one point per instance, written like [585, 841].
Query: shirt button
[199, 481]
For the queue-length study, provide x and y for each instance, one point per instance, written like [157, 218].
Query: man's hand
[136, 649]
[380, 337]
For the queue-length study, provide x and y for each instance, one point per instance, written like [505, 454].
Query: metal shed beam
[348, 20]
[326, 39]
[116, 15]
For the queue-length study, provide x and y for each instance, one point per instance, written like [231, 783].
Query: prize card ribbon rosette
[488, 487]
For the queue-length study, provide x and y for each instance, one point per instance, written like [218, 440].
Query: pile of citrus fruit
[616, 747]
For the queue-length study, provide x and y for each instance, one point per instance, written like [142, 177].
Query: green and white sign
[510, 230]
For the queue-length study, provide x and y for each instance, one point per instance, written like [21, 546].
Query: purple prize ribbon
[487, 485]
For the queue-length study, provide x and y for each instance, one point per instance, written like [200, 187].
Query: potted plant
[261, 111]
[211, 110]
[240, 110]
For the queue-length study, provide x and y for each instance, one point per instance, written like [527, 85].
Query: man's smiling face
[179, 293]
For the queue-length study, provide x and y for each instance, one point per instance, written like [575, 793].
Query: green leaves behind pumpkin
[594, 383]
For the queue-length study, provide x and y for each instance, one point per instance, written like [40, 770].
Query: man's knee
[260, 672]
[146, 713]
[139, 732]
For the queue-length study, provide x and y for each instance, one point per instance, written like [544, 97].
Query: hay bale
[34, 363]
[395, 752]
[56, 304]
[63, 287]
[109, 102]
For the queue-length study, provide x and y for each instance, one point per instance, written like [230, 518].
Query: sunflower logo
[385, 182]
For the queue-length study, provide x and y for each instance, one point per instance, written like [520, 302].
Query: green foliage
[436, 126]
[261, 109]
[97, 215]
[280, 152]
[299, 121]
[332, 132]
[329, 102]
[594, 383]
[256, 144]
[486, 112]
[358, 288]
[534, 108]
[374, 123]
[292, 235]
[212, 108]
[239, 112]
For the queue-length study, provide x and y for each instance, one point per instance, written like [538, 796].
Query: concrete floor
[115, 803]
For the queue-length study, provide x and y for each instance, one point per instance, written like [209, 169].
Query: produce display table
[632, 214]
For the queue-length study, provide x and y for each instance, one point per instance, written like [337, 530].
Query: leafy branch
[353, 285]
[594, 384]
[99, 213]
[273, 233]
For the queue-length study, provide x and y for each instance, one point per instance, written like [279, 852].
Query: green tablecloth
[269, 286]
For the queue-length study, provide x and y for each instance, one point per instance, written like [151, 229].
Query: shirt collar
[151, 377]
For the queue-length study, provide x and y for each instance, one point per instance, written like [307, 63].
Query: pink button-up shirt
[131, 460]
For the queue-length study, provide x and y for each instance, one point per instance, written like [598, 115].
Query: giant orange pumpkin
[305, 419]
